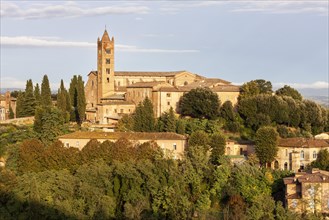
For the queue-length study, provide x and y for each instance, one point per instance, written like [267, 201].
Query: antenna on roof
[105, 27]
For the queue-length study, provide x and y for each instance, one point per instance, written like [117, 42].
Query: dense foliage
[125, 181]
[200, 103]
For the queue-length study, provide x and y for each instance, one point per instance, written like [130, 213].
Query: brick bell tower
[105, 66]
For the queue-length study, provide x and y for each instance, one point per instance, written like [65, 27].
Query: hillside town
[162, 145]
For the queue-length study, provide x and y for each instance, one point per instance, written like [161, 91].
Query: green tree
[217, 144]
[289, 91]
[265, 87]
[199, 138]
[74, 97]
[180, 126]
[266, 141]
[167, 121]
[255, 87]
[144, 120]
[29, 100]
[200, 103]
[11, 113]
[126, 123]
[37, 95]
[19, 105]
[63, 101]
[81, 100]
[45, 92]
[77, 99]
[322, 160]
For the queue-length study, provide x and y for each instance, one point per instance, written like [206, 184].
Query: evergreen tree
[19, 105]
[81, 100]
[266, 148]
[29, 100]
[144, 120]
[217, 144]
[11, 113]
[167, 121]
[37, 95]
[63, 101]
[45, 92]
[73, 97]
[289, 91]
[77, 99]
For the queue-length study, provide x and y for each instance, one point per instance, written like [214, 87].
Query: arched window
[302, 154]
[315, 155]
[185, 83]
[285, 166]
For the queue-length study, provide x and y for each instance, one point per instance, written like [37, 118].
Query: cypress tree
[81, 100]
[73, 97]
[37, 95]
[171, 121]
[19, 104]
[29, 100]
[11, 113]
[61, 98]
[45, 92]
[148, 120]
[144, 117]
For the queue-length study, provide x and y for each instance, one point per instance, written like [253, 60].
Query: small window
[168, 95]
[185, 83]
[108, 50]
[302, 154]
[168, 103]
[108, 71]
[92, 104]
[175, 146]
[286, 152]
[119, 83]
[285, 166]
[108, 61]
[129, 110]
[108, 80]
[92, 84]
[315, 155]
[115, 110]
[121, 110]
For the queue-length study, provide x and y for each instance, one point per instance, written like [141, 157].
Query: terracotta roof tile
[128, 135]
[302, 142]
[137, 73]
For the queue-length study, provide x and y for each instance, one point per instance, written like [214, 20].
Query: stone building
[296, 153]
[171, 143]
[308, 192]
[6, 101]
[110, 93]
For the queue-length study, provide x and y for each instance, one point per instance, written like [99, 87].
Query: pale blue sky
[285, 42]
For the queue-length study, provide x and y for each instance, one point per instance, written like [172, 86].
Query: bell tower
[105, 66]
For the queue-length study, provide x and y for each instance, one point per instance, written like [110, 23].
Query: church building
[110, 93]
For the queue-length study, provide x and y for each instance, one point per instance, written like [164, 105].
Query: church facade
[110, 93]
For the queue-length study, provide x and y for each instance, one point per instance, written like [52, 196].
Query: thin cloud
[66, 10]
[283, 7]
[315, 85]
[28, 41]
[270, 7]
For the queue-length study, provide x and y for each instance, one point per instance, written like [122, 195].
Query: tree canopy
[289, 91]
[266, 144]
[200, 103]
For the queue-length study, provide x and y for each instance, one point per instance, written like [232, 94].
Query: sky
[285, 42]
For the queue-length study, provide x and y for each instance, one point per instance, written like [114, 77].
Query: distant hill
[322, 100]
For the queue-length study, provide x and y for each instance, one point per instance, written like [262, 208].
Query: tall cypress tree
[73, 97]
[19, 105]
[45, 92]
[81, 100]
[61, 97]
[29, 100]
[144, 117]
[37, 95]
[171, 121]
[11, 113]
